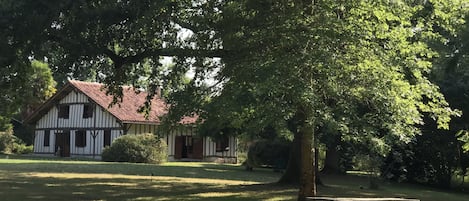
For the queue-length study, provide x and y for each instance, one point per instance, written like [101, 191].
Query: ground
[55, 179]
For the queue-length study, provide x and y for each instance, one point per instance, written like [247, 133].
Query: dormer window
[64, 111]
[87, 111]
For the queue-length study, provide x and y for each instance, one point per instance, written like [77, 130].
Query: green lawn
[54, 179]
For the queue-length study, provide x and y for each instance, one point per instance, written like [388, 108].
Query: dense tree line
[436, 156]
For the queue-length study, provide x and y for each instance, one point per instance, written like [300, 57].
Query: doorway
[62, 143]
[188, 147]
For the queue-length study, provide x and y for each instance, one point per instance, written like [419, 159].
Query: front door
[188, 147]
[198, 148]
[62, 143]
[178, 144]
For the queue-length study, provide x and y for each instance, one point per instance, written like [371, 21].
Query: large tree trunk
[307, 180]
[293, 169]
[292, 172]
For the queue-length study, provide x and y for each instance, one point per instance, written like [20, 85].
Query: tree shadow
[24, 187]
[202, 170]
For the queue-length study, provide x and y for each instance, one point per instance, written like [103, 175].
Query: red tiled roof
[125, 111]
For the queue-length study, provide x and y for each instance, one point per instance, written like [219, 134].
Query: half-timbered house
[79, 121]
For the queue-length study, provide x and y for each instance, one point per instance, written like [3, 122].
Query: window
[107, 137]
[46, 138]
[87, 111]
[222, 144]
[188, 144]
[80, 138]
[64, 111]
[188, 141]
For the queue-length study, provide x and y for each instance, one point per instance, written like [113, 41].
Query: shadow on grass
[41, 179]
[31, 179]
[200, 170]
[19, 186]
[358, 186]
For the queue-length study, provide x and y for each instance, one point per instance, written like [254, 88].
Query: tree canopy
[360, 67]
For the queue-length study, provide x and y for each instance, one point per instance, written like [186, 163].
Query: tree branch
[122, 60]
[170, 52]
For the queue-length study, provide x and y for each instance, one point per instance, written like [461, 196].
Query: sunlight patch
[215, 170]
[367, 194]
[37, 197]
[53, 185]
[108, 184]
[160, 186]
[216, 194]
[280, 198]
[138, 177]
[153, 198]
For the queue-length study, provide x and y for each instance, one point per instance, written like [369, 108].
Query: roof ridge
[104, 85]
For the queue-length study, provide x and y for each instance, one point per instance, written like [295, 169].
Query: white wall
[209, 150]
[39, 142]
[104, 120]
[141, 129]
[211, 145]
[100, 120]
[93, 146]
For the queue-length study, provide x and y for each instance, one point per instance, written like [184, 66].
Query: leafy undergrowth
[56, 179]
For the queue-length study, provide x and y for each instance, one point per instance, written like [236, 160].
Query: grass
[24, 178]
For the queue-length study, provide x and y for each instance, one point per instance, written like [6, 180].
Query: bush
[6, 142]
[11, 144]
[269, 153]
[22, 148]
[144, 148]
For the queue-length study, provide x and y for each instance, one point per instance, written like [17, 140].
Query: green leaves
[463, 136]
[363, 65]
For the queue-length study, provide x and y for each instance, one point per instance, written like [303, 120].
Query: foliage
[359, 66]
[23, 131]
[434, 157]
[24, 89]
[144, 148]
[426, 160]
[345, 64]
[42, 85]
[452, 75]
[270, 153]
[6, 142]
[22, 148]
[11, 144]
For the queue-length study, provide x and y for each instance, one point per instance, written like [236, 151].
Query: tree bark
[292, 172]
[307, 180]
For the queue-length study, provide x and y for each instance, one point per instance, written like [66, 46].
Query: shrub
[21, 148]
[6, 142]
[270, 153]
[144, 148]
[11, 144]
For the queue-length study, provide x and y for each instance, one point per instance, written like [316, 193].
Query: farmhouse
[78, 121]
